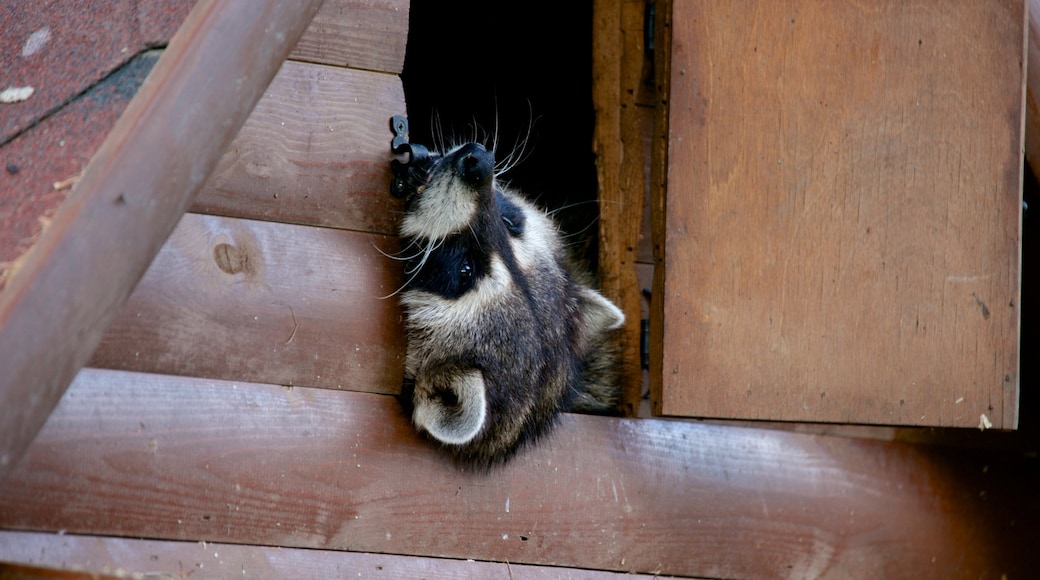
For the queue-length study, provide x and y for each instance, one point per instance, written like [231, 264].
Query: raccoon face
[501, 336]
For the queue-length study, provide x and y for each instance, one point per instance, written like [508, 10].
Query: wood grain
[316, 150]
[255, 301]
[166, 559]
[1032, 128]
[359, 34]
[843, 212]
[658, 194]
[618, 145]
[128, 200]
[144, 455]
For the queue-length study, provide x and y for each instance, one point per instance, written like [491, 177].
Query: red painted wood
[55, 151]
[163, 457]
[61, 48]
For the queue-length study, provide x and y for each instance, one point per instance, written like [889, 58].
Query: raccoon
[503, 332]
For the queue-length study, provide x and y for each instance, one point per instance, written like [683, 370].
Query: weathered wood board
[841, 225]
[144, 455]
[617, 143]
[359, 34]
[315, 150]
[256, 301]
[165, 559]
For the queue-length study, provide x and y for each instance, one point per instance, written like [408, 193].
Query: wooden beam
[166, 143]
[165, 559]
[144, 455]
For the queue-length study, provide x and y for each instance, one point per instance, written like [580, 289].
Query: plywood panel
[217, 560]
[843, 209]
[255, 301]
[361, 34]
[316, 150]
[144, 455]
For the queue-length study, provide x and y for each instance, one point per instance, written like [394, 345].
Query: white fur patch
[538, 242]
[457, 425]
[445, 207]
[431, 311]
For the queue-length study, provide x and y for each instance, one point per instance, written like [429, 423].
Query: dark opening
[522, 70]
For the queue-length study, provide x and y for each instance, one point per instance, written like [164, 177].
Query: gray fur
[502, 336]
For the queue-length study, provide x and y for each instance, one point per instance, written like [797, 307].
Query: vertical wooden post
[131, 195]
[1032, 138]
[617, 63]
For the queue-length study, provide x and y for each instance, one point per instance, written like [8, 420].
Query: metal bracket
[408, 176]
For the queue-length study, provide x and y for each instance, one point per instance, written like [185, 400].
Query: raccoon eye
[465, 271]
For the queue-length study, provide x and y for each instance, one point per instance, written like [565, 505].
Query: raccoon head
[502, 337]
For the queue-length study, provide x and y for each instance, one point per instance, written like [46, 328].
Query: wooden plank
[265, 302]
[144, 455]
[96, 554]
[617, 143]
[361, 34]
[59, 303]
[843, 213]
[315, 150]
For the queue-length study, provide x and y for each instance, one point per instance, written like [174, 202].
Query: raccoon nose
[475, 164]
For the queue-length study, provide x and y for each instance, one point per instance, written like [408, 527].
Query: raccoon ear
[599, 313]
[450, 408]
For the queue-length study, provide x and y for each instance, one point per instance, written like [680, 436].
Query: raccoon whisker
[476, 238]
[552, 213]
[494, 137]
[414, 272]
[520, 147]
[579, 232]
[438, 133]
[427, 251]
[397, 257]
